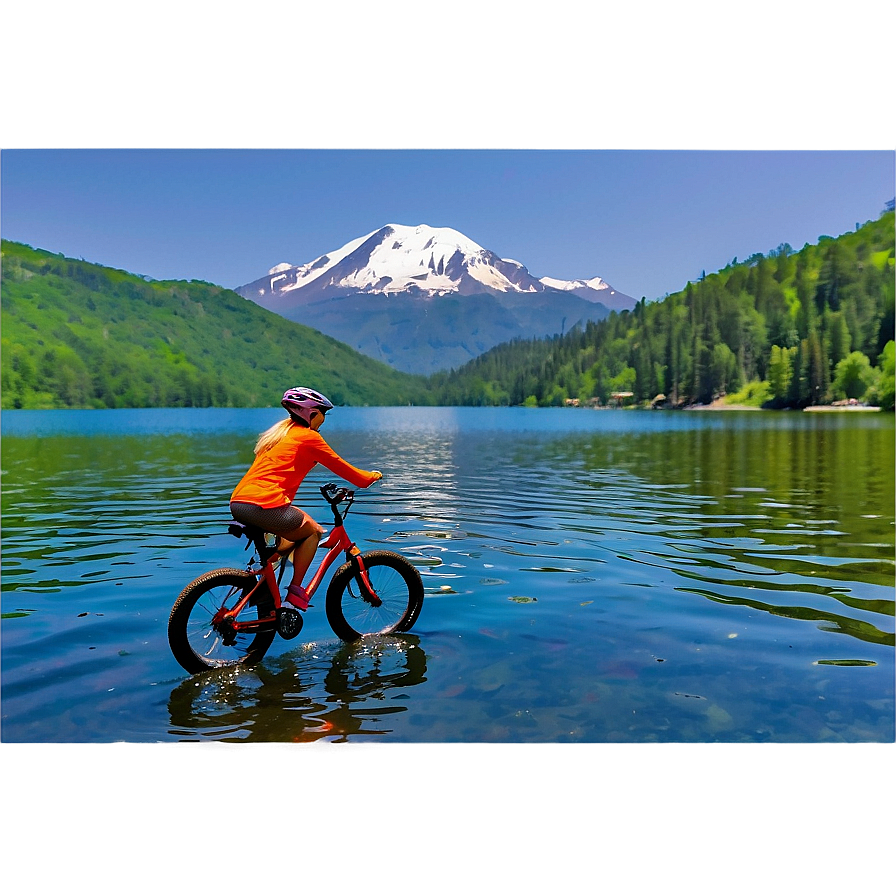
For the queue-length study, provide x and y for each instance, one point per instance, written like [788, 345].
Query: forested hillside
[786, 329]
[79, 335]
[789, 329]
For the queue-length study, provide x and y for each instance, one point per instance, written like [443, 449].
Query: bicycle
[230, 617]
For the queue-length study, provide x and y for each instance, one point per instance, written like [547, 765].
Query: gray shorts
[276, 520]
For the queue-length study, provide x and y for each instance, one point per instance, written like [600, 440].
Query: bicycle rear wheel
[199, 645]
[398, 586]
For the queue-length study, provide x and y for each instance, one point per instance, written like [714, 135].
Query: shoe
[298, 597]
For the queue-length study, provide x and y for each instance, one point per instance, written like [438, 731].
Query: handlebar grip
[335, 494]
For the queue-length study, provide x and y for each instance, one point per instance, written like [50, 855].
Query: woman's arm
[327, 457]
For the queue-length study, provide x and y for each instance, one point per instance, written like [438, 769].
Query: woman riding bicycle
[284, 455]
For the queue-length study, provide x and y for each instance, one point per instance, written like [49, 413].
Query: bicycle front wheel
[397, 585]
[197, 644]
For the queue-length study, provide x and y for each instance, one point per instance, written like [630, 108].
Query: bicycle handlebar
[334, 494]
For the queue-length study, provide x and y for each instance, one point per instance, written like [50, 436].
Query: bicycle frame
[337, 541]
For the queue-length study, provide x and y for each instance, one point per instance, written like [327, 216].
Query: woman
[284, 455]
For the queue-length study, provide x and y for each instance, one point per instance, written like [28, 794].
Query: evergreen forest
[786, 329]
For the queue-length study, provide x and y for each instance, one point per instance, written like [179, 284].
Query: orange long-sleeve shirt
[276, 474]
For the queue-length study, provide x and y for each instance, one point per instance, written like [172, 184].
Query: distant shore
[720, 405]
[853, 407]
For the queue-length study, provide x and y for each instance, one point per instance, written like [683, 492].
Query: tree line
[785, 329]
[80, 335]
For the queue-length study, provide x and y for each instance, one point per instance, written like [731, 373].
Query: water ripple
[644, 578]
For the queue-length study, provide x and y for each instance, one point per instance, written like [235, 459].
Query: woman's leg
[306, 539]
[294, 530]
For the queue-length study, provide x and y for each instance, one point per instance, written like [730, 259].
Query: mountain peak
[420, 260]
[569, 285]
[394, 294]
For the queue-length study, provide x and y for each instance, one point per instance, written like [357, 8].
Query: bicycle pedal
[289, 623]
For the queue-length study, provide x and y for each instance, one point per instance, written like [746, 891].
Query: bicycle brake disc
[289, 623]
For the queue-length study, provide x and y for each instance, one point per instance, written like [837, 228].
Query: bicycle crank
[289, 623]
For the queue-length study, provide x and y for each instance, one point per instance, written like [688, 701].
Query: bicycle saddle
[240, 530]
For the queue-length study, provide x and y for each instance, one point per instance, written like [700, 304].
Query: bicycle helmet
[302, 402]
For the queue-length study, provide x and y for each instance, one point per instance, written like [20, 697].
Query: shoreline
[827, 407]
[720, 405]
[717, 405]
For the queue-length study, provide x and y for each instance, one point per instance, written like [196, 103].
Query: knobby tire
[396, 582]
[195, 643]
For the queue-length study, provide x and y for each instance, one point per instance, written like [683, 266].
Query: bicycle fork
[337, 541]
[362, 577]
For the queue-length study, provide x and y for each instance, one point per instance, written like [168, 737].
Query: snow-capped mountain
[412, 272]
[428, 261]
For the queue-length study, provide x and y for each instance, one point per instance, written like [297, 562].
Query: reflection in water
[856, 628]
[320, 692]
[789, 510]
[597, 576]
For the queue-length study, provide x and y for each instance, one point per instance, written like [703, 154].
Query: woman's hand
[377, 474]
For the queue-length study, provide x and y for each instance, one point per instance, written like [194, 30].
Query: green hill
[80, 335]
[789, 329]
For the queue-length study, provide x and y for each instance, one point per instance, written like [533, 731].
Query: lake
[591, 576]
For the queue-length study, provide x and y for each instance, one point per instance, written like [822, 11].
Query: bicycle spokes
[202, 631]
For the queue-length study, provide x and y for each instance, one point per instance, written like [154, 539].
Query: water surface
[591, 576]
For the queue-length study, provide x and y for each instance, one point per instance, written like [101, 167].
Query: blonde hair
[271, 436]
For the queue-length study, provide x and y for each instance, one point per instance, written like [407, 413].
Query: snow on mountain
[397, 294]
[397, 258]
[593, 290]
[423, 261]
[569, 285]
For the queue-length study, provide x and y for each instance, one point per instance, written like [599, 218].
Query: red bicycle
[230, 616]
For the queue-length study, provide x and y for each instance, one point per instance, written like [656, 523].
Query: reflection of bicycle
[336, 692]
[230, 616]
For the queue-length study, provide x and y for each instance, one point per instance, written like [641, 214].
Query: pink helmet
[301, 402]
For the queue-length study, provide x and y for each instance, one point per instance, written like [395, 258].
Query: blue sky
[642, 145]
